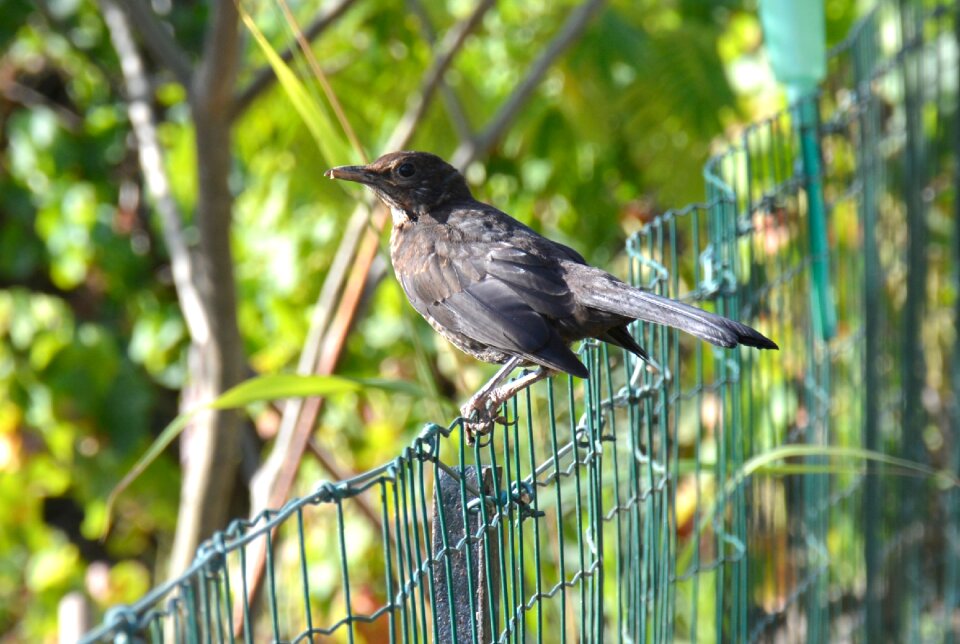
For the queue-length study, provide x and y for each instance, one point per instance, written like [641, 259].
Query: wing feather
[503, 298]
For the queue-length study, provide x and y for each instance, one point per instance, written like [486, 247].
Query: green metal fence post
[864, 53]
[913, 348]
[951, 580]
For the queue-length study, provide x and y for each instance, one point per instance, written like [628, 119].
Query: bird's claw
[479, 416]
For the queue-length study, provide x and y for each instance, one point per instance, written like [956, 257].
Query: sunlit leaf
[768, 462]
[333, 146]
[277, 386]
[270, 387]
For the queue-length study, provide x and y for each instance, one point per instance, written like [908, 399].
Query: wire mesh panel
[848, 200]
[570, 536]
[898, 123]
[692, 498]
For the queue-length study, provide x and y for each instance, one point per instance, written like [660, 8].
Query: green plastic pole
[796, 44]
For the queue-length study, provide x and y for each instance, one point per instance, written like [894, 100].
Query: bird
[501, 292]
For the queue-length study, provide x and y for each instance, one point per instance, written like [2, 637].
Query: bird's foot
[479, 415]
[480, 412]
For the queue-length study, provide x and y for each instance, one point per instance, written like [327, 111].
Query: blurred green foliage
[93, 344]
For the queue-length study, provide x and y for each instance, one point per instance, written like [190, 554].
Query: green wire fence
[632, 506]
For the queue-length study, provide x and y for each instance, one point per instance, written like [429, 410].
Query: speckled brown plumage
[500, 291]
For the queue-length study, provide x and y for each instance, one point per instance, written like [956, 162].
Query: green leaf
[286, 385]
[332, 146]
[768, 462]
[261, 388]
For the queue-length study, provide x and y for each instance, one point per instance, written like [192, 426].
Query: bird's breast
[413, 242]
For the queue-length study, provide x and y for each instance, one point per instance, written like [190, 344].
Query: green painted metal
[796, 44]
[618, 510]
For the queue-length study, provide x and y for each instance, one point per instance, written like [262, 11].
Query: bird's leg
[509, 390]
[480, 410]
[472, 405]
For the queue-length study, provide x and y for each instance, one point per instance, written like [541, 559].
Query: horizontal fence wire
[619, 508]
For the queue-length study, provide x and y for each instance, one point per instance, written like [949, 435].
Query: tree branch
[182, 263]
[461, 124]
[322, 79]
[158, 39]
[443, 57]
[216, 75]
[210, 446]
[571, 30]
[205, 288]
[264, 78]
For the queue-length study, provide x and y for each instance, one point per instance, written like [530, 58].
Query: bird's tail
[602, 291]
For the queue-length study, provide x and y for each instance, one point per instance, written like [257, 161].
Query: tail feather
[606, 293]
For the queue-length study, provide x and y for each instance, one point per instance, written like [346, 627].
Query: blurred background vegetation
[97, 354]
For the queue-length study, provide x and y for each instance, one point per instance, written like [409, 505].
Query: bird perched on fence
[505, 294]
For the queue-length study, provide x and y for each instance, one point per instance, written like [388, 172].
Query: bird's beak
[358, 173]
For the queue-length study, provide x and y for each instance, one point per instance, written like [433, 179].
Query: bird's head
[410, 183]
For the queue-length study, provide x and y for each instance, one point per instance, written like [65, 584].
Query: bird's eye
[406, 170]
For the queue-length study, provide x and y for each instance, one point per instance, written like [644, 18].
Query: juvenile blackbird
[503, 293]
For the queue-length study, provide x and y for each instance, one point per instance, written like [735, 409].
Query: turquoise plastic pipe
[796, 44]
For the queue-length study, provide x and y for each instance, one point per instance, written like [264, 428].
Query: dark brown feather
[497, 289]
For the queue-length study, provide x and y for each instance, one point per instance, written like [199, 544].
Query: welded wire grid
[618, 508]
[903, 129]
[851, 199]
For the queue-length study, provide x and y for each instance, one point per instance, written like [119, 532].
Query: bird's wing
[496, 295]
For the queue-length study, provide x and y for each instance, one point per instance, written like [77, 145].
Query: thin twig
[480, 145]
[264, 78]
[19, 93]
[158, 39]
[445, 54]
[336, 336]
[182, 264]
[324, 82]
